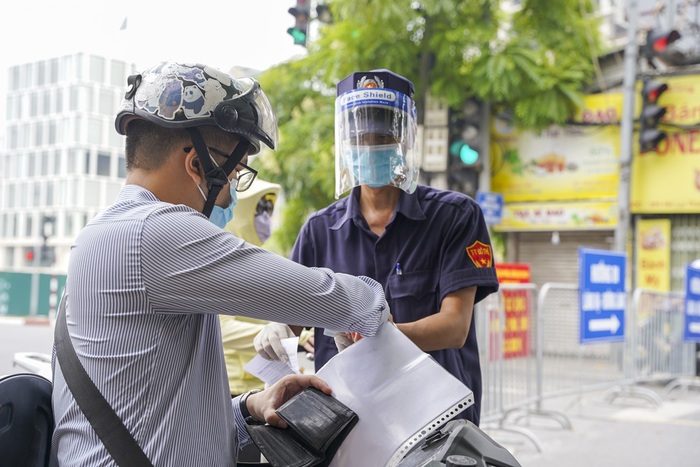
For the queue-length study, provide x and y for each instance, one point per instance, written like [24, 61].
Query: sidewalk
[24, 321]
[627, 430]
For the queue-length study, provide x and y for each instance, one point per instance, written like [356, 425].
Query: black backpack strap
[111, 430]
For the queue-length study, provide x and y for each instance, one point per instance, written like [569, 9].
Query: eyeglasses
[245, 177]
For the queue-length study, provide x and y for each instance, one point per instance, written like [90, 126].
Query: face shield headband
[215, 176]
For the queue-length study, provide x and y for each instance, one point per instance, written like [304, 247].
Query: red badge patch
[480, 254]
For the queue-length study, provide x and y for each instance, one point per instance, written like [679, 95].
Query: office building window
[25, 135]
[31, 165]
[77, 130]
[80, 98]
[38, 133]
[28, 224]
[106, 102]
[68, 225]
[121, 167]
[59, 100]
[52, 131]
[47, 102]
[44, 166]
[36, 198]
[57, 162]
[118, 74]
[33, 104]
[97, 69]
[13, 83]
[28, 70]
[103, 164]
[94, 130]
[41, 73]
[53, 71]
[4, 226]
[49, 193]
[64, 70]
[76, 160]
[12, 138]
[9, 263]
[92, 194]
[78, 66]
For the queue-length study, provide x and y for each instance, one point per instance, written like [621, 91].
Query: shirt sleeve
[191, 266]
[242, 437]
[467, 254]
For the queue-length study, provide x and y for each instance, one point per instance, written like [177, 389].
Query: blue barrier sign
[491, 205]
[602, 296]
[692, 302]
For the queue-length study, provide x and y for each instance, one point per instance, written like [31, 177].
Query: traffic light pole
[627, 129]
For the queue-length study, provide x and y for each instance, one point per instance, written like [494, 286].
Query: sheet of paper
[270, 371]
[401, 395]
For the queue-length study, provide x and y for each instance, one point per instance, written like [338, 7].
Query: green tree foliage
[532, 63]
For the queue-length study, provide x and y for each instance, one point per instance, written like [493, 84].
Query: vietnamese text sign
[692, 303]
[653, 254]
[602, 296]
[491, 205]
[516, 304]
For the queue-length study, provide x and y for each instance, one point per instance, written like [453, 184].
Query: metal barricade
[658, 352]
[505, 332]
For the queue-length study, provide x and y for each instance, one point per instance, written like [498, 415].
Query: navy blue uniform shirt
[436, 243]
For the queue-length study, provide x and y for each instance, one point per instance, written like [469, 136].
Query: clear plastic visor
[375, 133]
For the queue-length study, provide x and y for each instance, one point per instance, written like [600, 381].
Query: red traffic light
[29, 255]
[652, 90]
[658, 41]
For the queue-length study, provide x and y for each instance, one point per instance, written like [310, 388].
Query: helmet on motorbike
[175, 95]
[187, 96]
[375, 132]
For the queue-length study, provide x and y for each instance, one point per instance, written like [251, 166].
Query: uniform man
[429, 248]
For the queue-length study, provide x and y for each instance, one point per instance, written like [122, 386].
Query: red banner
[516, 304]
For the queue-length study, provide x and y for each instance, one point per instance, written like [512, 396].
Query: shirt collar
[408, 206]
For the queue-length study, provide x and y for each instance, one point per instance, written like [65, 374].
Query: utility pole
[627, 128]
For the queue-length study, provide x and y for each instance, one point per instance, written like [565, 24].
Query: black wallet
[318, 424]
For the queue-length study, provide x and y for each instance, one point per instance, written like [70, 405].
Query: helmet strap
[215, 176]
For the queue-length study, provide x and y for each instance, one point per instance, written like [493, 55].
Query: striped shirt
[146, 282]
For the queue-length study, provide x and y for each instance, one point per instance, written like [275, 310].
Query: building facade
[62, 161]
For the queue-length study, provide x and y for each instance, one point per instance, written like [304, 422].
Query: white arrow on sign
[694, 327]
[611, 324]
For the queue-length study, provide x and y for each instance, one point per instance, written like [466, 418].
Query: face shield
[375, 131]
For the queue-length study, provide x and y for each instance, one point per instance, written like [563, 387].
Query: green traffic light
[466, 154]
[298, 35]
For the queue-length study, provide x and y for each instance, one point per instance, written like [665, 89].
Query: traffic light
[672, 48]
[323, 13]
[658, 41]
[301, 26]
[649, 134]
[466, 136]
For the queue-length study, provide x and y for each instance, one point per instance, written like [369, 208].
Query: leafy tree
[532, 64]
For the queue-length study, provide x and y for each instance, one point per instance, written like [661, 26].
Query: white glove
[267, 341]
[342, 340]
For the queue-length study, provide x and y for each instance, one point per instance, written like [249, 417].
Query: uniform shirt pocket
[412, 295]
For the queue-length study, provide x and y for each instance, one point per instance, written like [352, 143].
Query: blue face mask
[374, 165]
[220, 216]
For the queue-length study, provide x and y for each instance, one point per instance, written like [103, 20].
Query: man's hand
[263, 405]
[267, 342]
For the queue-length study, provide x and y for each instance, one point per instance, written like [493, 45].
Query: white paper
[270, 371]
[400, 394]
